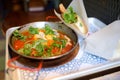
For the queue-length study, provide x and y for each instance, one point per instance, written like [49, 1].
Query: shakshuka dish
[41, 42]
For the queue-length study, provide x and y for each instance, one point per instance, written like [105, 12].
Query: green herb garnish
[63, 43]
[19, 35]
[33, 30]
[70, 16]
[48, 30]
[56, 45]
[27, 49]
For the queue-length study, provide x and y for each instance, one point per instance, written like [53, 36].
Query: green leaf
[28, 46]
[16, 33]
[70, 10]
[56, 39]
[38, 54]
[27, 51]
[21, 51]
[33, 30]
[56, 45]
[49, 52]
[40, 48]
[63, 43]
[48, 30]
[19, 35]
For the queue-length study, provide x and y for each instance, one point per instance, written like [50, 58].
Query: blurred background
[105, 10]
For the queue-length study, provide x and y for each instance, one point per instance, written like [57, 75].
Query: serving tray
[84, 63]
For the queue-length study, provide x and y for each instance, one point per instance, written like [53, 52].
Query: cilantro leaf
[27, 49]
[40, 49]
[33, 30]
[70, 16]
[19, 35]
[63, 43]
[48, 30]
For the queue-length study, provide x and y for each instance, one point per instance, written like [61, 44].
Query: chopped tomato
[54, 50]
[50, 42]
[28, 34]
[67, 48]
[18, 44]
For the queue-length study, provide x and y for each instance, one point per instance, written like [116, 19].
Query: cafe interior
[15, 13]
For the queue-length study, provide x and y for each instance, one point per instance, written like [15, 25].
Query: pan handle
[51, 17]
[28, 69]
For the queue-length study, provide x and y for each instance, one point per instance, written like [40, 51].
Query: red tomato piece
[54, 50]
[18, 44]
[67, 48]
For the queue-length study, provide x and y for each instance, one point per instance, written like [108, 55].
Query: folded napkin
[104, 42]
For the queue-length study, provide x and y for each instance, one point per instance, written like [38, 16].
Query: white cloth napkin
[104, 42]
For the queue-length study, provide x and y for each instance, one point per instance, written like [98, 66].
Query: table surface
[19, 18]
[14, 19]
